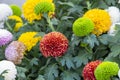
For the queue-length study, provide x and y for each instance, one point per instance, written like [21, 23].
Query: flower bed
[60, 40]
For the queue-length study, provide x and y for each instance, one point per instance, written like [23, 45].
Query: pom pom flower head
[29, 39]
[53, 44]
[10, 68]
[14, 52]
[32, 8]
[5, 37]
[114, 14]
[119, 74]
[106, 70]
[101, 20]
[16, 10]
[83, 26]
[5, 11]
[44, 7]
[88, 71]
[18, 20]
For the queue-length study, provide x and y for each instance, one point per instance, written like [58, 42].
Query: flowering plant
[61, 40]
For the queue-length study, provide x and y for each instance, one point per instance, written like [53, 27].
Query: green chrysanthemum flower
[83, 26]
[43, 7]
[16, 10]
[106, 70]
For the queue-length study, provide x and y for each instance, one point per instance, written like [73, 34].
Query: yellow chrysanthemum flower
[29, 39]
[28, 9]
[19, 22]
[101, 20]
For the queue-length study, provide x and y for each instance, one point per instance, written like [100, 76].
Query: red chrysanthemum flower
[53, 44]
[88, 71]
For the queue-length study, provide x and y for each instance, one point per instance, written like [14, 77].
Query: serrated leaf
[110, 2]
[67, 75]
[66, 18]
[68, 61]
[99, 4]
[40, 77]
[103, 39]
[21, 73]
[1, 78]
[40, 34]
[115, 50]
[82, 58]
[91, 40]
[54, 21]
[66, 3]
[113, 59]
[51, 72]
[34, 61]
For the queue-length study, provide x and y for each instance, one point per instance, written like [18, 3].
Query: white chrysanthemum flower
[112, 30]
[1, 25]
[119, 73]
[5, 11]
[114, 14]
[11, 70]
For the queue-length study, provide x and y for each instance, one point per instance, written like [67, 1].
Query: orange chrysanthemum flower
[53, 44]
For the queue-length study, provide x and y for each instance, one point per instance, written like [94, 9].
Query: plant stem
[8, 25]
[50, 24]
[49, 59]
[90, 51]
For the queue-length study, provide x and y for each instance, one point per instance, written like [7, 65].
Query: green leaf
[82, 58]
[103, 39]
[51, 72]
[68, 61]
[1, 78]
[66, 3]
[21, 73]
[115, 50]
[34, 61]
[54, 21]
[113, 59]
[110, 2]
[91, 40]
[40, 34]
[66, 18]
[99, 4]
[67, 75]
[40, 77]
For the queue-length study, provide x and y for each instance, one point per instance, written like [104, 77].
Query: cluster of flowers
[98, 70]
[54, 44]
[97, 21]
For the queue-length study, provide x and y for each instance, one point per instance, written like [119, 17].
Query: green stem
[26, 59]
[8, 25]
[46, 64]
[88, 50]
[50, 24]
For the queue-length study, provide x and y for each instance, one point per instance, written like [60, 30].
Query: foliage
[81, 50]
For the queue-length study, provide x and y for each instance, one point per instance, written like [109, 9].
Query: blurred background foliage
[81, 49]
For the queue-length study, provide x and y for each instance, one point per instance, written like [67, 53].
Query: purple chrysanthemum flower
[14, 52]
[5, 37]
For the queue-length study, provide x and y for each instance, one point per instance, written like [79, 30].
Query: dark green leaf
[51, 72]
[67, 75]
[82, 58]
